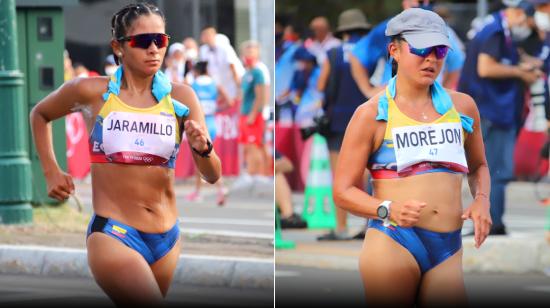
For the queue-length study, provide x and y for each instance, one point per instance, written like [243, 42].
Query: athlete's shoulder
[89, 88]
[369, 109]
[463, 103]
[182, 92]
[184, 99]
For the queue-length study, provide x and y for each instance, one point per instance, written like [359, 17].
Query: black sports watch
[205, 153]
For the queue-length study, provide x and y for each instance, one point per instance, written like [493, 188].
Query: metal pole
[15, 166]
[253, 19]
[195, 13]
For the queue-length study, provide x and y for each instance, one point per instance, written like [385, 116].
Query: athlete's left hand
[478, 211]
[196, 135]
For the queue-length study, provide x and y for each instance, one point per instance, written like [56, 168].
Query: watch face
[382, 212]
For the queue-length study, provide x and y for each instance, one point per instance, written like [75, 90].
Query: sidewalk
[229, 246]
[523, 250]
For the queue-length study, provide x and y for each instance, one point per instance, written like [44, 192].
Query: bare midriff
[442, 192]
[139, 196]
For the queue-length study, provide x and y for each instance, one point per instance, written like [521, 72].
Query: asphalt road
[39, 291]
[323, 287]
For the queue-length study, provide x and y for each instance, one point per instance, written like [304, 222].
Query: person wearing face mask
[223, 64]
[175, 64]
[372, 70]
[191, 56]
[496, 78]
[251, 122]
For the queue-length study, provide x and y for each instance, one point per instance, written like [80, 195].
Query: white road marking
[226, 221]
[229, 204]
[228, 233]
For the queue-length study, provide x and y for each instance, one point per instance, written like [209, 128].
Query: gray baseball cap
[420, 28]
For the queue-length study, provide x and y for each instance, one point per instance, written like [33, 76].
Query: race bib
[134, 137]
[429, 143]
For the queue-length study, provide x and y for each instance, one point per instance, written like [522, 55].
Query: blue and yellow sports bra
[411, 147]
[138, 136]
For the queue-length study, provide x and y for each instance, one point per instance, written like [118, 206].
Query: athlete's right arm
[363, 135]
[358, 143]
[64, 100]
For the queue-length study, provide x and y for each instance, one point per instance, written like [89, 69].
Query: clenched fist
[59, 185]
[196, 134]
[406, 214]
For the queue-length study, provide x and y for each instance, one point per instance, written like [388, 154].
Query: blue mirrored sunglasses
[440, 51]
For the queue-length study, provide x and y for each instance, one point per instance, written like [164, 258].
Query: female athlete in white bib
[418, 140]
[136, 119]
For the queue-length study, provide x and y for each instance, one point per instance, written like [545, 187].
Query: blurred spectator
[283, 194]
[223, 64]
[82, 71]
[342, 96]
[191, 49]
[207, 92]
[292, 34]
[175, 63]
[280, 25]
[110, 67]
[191, 56]
[493, 76]
[302, 93]
[321, 40]
[252, 123]
[284, 67]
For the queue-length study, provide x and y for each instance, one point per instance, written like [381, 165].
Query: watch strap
[205, 153]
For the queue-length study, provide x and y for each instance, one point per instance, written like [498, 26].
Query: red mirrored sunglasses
[145, 40]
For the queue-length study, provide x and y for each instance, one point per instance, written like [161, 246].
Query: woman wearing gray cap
[418, 140]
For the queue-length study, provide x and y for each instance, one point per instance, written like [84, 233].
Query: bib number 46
[139, 142]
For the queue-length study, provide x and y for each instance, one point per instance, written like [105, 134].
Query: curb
[518, 254]
[198, 270]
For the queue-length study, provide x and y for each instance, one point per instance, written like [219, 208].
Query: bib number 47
[433, 152]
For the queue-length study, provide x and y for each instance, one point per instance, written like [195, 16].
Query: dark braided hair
[123, 19]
